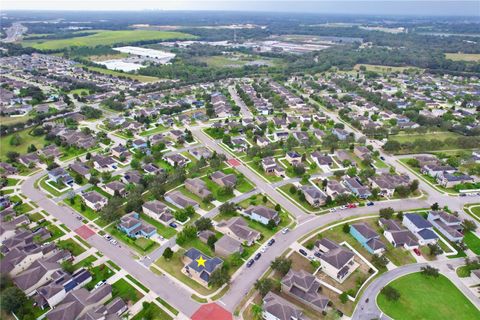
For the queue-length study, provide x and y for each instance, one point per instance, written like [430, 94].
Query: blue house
[367, 237]
[340, 134]
[133, 227]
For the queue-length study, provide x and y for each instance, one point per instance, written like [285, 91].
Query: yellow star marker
[201, 261]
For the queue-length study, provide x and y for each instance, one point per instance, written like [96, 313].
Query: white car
[285, 230]
[107, 237]
[263, 249]
[333, 210]
[99, 284]
[113, 241]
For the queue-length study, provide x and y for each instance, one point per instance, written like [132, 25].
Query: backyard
[427, 298]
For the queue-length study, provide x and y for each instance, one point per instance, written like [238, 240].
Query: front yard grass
[126, 291]
[472, 242]
[72, 246]
[150, 308]
[85, 262]
[217, 190]
[77, 206]
[427, 298]
[203, 205]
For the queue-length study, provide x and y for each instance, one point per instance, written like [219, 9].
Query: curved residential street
[245, 278]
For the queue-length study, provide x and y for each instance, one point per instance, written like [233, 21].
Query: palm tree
[257, 312]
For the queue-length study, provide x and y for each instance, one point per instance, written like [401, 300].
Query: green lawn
[99, 273]
[26, 140]
[72, 246]
[85, 262]
[55, 232]
[106, 37]
[427, 298]
[154, 313]
[48, 188]
[139, 284]
[152, 131]
[121, 74]
[472, 241]
[126, 291]
[77, 206]
[166, 305]
[296, 197]
[203, 205]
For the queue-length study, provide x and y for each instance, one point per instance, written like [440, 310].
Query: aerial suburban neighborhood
[195, 165]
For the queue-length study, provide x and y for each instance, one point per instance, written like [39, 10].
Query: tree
[68, 266]
[430, 271]
[379, 261]
[435, 206]
[264, 285]
[16, 140]
[402, 191]
[219, 277]
[271, 224]
[282, 265]
[167, 253]
[32, 148]
[346, 228]
[228, 208]
[292, 189]
[390, 293]
[343, 297]
[257, 312]
[211, 241]
[203, 224]
[78, 179]
[386, 213]
[12, 156]
[278, 208]
[434, 249]
[236, 259]
[111, 211]
[414, 185]
[13, 299]
[469, 225]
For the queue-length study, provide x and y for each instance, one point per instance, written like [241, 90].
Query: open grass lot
[475, 57]
[238, 61]
[106, 37]
[427, 298]
[26, 140]
[13, 120]
[126, 291]
[153, 311]
[153, 131]
[472, 241]
[217, 190]
[382, 69]
[402, 138]
[122, 74]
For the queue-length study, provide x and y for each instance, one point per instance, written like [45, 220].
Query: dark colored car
[317, 254]
[250, 262]
[271, 241]
[303, 252]
[173, 225]
[257, 256]
[382, 158]
[370, 203]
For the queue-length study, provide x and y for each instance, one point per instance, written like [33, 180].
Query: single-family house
[262, 214]
[237, 228]
[420, 227]
[367, 237]
[158, 211]
[115, 187]
[277, 308]
[133, 227]
[304, 287]
[313, 195]
[179, 200]
[94, 200]
[336, 260]
[198, 187]
[397, 235]
[224, 180]
[200, 272]
[448, 224]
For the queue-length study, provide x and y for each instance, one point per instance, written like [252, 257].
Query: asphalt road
[169, 290]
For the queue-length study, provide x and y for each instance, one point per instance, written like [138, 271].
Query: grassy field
[430, 135]
[475, 57]
[427, 298]
[151, 309]
[13, 120]
[382, 69]
[122, 74]
[472, 241]
[126, 291]
[106, 37]
[26, 140]
[237, 61]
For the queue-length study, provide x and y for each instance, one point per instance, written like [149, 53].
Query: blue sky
[391, 7]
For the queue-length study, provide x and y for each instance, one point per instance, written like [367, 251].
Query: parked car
[263, 249]
[352, 205]
[317, 254]
[173, 225]
[257, 256]
[382, 158]
[271, 241]
[107, 237]
[250, 262]
[113, 241]
[285, 230]
[303, 252]
[99, 284]
[417, 252]
[370, 203]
